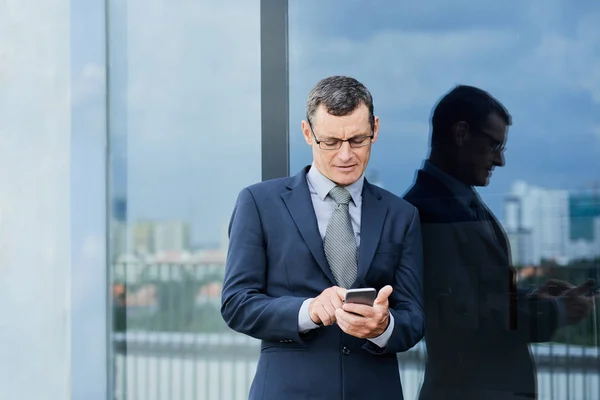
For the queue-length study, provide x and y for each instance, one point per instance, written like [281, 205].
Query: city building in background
[538, 224]
[551, 225]
[584, 212]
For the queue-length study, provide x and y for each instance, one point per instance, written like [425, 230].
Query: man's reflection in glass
[479, 324]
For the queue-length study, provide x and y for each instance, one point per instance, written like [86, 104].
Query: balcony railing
[171, 343]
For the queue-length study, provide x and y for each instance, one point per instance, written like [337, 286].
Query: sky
[185, 89]
[541, 59]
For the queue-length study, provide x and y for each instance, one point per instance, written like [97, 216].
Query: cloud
[190, 73]
[541, 60]
[560, 62]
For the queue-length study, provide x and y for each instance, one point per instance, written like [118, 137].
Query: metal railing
[171, 343]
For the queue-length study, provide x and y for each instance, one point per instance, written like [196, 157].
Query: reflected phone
[364, 296]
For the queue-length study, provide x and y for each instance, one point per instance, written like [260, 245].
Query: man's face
[482, 150]
[346, 164]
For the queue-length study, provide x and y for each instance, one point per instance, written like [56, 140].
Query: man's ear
[306, 132]
[375, 129]
[460, 132]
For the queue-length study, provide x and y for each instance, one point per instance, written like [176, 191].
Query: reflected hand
[322, 308]
[578, 302]
[364, 321]
[554, 288]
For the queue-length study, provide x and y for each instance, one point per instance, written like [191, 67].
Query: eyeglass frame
[496, 146]
[341, 141]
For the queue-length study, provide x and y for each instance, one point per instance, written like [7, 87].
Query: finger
[348, 318]
[556, 286]
[341, 292]
[360, 309]
[383, 295]
[330, 310]
[581, 289]
[324, 316]
[558, 282]
[335, 301]
[340, 317]
[313, 310]
[551, 282]
[341, 322]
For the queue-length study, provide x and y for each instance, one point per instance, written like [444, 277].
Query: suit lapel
[460, 214]
[500, 234]
[496, 239]
[373, 213]
[299, 205]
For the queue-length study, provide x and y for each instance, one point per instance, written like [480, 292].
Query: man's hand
[554, 288]
[578, 301]
[322, 308]
[363, 321]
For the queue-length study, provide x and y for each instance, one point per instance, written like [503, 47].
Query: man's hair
[464, 103]
[340, 95]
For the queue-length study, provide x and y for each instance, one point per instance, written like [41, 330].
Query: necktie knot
[340, 195]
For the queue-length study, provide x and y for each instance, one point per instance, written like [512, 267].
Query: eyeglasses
[495, 145]
[335, 144]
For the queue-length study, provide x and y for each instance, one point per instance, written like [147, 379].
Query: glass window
[541, 60]
[185, 130]
[52, 197]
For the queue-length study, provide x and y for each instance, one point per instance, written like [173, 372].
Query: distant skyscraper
[520, 238]
[537, 220]
[583, 208]
[171, 236]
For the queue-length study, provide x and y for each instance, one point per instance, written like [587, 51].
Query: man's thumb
[382, 296]
[581, 289]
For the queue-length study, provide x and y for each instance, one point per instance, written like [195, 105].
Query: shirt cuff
[382, 340]
[305, 324]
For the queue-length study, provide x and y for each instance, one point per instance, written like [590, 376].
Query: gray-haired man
[297, 244]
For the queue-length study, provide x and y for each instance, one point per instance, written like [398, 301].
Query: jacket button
[346, 351]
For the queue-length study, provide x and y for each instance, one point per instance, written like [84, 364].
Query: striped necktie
[340, 243]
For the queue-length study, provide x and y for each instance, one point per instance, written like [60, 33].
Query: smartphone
[364, 296]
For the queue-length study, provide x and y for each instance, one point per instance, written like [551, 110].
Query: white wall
[34, 199]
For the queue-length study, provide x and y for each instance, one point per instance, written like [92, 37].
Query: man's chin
[484, 178]
[483, 182]
[345, 180]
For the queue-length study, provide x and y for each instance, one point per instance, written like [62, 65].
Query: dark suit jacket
[276, 260]
[478, 324]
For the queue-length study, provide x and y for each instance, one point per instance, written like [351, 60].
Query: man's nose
[499, 159]
[345, 152]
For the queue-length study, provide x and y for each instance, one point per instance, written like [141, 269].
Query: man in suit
[478, 324]
[297, 244]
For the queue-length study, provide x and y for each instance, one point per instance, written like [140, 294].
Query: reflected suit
[478, 324]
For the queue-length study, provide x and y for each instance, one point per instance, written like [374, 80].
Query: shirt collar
[463, 192]
[322, 185]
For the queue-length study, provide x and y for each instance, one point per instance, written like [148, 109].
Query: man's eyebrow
[358, 135]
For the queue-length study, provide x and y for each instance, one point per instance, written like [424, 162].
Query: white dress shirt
[319, 187]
